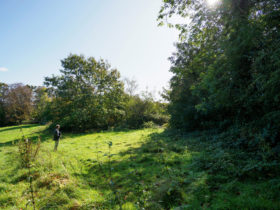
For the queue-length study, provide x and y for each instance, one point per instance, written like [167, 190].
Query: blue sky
[36, 35]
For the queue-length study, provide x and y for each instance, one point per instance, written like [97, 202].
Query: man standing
[56, 136]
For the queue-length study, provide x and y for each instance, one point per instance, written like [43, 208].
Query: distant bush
[140, 110]
[149, 124]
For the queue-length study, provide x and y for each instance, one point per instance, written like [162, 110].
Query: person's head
[57, 126]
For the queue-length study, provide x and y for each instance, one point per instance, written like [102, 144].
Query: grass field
[139, 169]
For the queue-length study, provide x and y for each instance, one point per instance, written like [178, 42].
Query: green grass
[150, 169]
[10, 134]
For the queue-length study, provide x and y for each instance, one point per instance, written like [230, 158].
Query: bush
[142, 110]
[149, 124]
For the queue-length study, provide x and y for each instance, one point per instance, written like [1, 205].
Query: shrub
[149, 124]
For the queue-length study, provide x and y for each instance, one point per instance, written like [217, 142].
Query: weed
[27, 153]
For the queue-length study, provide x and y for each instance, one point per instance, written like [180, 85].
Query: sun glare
[212, 3]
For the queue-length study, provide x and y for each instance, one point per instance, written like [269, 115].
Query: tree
[17, 103]
[226, 69]
[3, 93]
[130, 86]
[41, 102]
[88, 94]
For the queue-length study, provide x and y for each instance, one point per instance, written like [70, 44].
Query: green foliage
[226, 69]
[2, 115]
[141, 110]
[3, 90]
[41, 105]
[87, 95]
[27, 151]
[149, 124]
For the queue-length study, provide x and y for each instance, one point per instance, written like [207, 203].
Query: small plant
[109, 157]
[117, 194]
[28, 153]
[97, 156]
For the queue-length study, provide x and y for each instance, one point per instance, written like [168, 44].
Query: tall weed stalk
[28, 153]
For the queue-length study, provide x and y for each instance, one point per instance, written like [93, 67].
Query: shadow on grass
[152, 175]
[34, 136]
[194, 171]
[16, 127]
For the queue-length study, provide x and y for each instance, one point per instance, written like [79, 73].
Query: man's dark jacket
[56, 135]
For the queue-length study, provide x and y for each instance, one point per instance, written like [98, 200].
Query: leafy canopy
[87, 94]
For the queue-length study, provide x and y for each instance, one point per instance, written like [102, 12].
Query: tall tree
[87, 94]
[226, 69]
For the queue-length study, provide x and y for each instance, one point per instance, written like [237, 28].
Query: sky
[36, 35]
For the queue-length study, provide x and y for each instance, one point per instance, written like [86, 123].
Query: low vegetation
[148, 168]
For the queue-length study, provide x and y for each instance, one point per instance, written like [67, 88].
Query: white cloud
[3, 69]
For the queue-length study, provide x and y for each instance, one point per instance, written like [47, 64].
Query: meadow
[135, 169]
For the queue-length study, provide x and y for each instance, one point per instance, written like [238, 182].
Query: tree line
[88, 94]
[226, 69]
